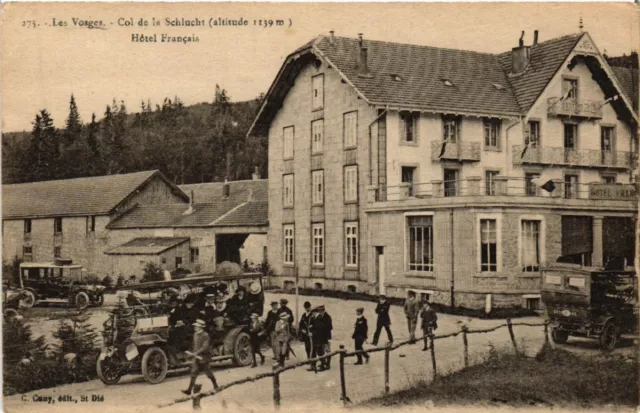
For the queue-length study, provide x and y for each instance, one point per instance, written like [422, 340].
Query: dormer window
[447, 82]
[396, 78]
[498, 86]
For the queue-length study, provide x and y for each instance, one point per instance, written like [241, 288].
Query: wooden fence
[343, 354]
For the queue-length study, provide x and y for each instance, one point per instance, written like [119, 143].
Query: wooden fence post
[343, 382]
[276, 386]
[433, 356]
[386, 368]
[546, 332]
[466, 346]
[513, 337]
[196, 400]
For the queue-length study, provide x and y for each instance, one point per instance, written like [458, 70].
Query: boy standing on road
[303, 328]
[429, 323]
[382, 309]
[411, 311]
[256, 331]
[360, 333]
[201, 356]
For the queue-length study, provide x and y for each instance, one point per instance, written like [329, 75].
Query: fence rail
[342, 353]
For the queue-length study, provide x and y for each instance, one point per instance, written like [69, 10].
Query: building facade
[453, 173]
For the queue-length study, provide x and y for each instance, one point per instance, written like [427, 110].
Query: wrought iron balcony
[460, 151]
[574, 157]
[574, 108]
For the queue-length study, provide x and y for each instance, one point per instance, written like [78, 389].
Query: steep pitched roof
[72, 197]
[629, 80]
[147, 246]
[545, 61]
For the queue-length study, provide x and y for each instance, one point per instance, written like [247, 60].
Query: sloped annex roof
[147, 246]
[427, 78]
[629, 79]
[74, 197]
[238, 191]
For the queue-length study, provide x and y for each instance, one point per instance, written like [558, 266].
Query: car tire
[609, 337]
[29, 300]
[558, 336]
[105, 372]
[242, 353]
[81, 300]
[10, 313]
[155, 365]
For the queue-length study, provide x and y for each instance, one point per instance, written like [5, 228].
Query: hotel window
[288, 135]
[317, 99]
[350, 129]
[491, 133]
[27, 254]
[571, 186]
[317, 135]
[91, 223]
[288, 244]
[57, 225]
[318, 244]
[531, 189]
[287, 192]
[420, 243]
[351, 244]
[608, 179]
[409, 126]
[607, 144]
[570, 89]
[488, 245]
[194, 255]
[450, 182]
[530, 245]
[409, 176]
[57, 252]
[317, 187]
[351, 183]
[450, 128]
[570, 142]
[490, 183]
[532, 134]
[27, 226]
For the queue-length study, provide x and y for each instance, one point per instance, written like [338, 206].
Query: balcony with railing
[572, 157]
[574, 108]
[459, 151]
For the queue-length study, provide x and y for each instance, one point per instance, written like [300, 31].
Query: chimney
[535, 37]
[520, 56]
[332, 37]
[362, 57]
[256, 174]
[193, 198]
[225, 189]
[250, 195]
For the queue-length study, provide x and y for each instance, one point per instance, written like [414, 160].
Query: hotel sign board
[612, 192]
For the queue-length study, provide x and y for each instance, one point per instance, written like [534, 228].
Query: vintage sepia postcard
[311, 207]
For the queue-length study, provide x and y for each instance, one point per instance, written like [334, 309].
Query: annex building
[396, 166]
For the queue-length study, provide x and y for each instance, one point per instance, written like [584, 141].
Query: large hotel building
[454, 173]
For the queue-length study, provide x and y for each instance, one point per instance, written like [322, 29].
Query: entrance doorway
[381, 270]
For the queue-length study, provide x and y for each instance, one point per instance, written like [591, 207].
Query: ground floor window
[194, 254]
[530, 245]
[288, 244]
[27, 254]
[351, 244]
[577, 239]
[488, 245]
[318, 244]
[57, 252]
[178, 262]
[532, 303]
[420, 243]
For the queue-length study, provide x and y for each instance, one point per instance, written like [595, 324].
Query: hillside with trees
[205, 142]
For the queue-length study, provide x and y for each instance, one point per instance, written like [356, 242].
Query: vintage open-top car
[58, 282]
[147, 344]
[590, 302]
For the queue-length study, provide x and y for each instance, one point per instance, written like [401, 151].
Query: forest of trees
[200, 143]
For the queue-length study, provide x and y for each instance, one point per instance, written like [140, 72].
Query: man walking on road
[429, 323]
[201, 356]
[382, 309]
[411, 311]
[303, 328]
[270, 326]
[320, 328]
[360, 332]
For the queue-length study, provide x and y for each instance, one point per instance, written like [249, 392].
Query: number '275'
[29, 24]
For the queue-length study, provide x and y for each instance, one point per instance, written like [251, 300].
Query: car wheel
[559, 336]
[28, 300]
[609, 337]
[109, 370]
[154, 365]
[81, 300]
[10, 313]
[242, 354]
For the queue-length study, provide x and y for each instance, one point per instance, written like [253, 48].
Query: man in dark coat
[284, 309]
[321, 326]
[303, 328]
[201, 356]
[270, 326]
[429, 323]
[382, 309]
[239, 306]
[360, 332]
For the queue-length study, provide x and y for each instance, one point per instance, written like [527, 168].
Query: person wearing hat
[303, 328]
[255, 297]
[270, 326]
[411, 311]
[201, 356]
[360, 332]
[320, 328]
[238, 306]
[256, 331]
[282, 335]
[284, 309]
[384, 321]
[429, 323]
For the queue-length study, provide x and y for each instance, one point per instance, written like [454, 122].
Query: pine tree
[41, 163]
[73, 125]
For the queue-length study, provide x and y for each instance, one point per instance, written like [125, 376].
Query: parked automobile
[58, 282]
[11, 300]
[134, 344]
[590, 302]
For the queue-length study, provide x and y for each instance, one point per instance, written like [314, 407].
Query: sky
[42, 66]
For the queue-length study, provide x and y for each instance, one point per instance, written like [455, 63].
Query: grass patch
[554, 378]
